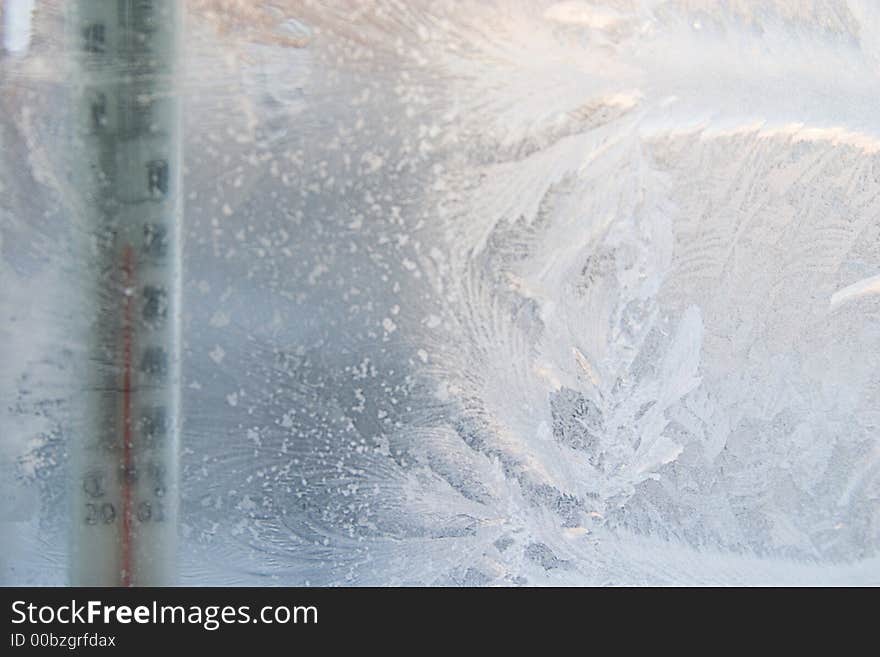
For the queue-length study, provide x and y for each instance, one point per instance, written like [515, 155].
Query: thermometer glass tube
[126, 167]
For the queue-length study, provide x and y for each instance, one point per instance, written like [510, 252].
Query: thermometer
[126, 168]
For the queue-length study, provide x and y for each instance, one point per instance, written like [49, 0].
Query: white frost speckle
[217, 354]
[219, 319]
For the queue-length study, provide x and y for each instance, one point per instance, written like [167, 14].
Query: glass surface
[473, 293]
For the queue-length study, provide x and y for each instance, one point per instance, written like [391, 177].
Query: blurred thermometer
[126, 168]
